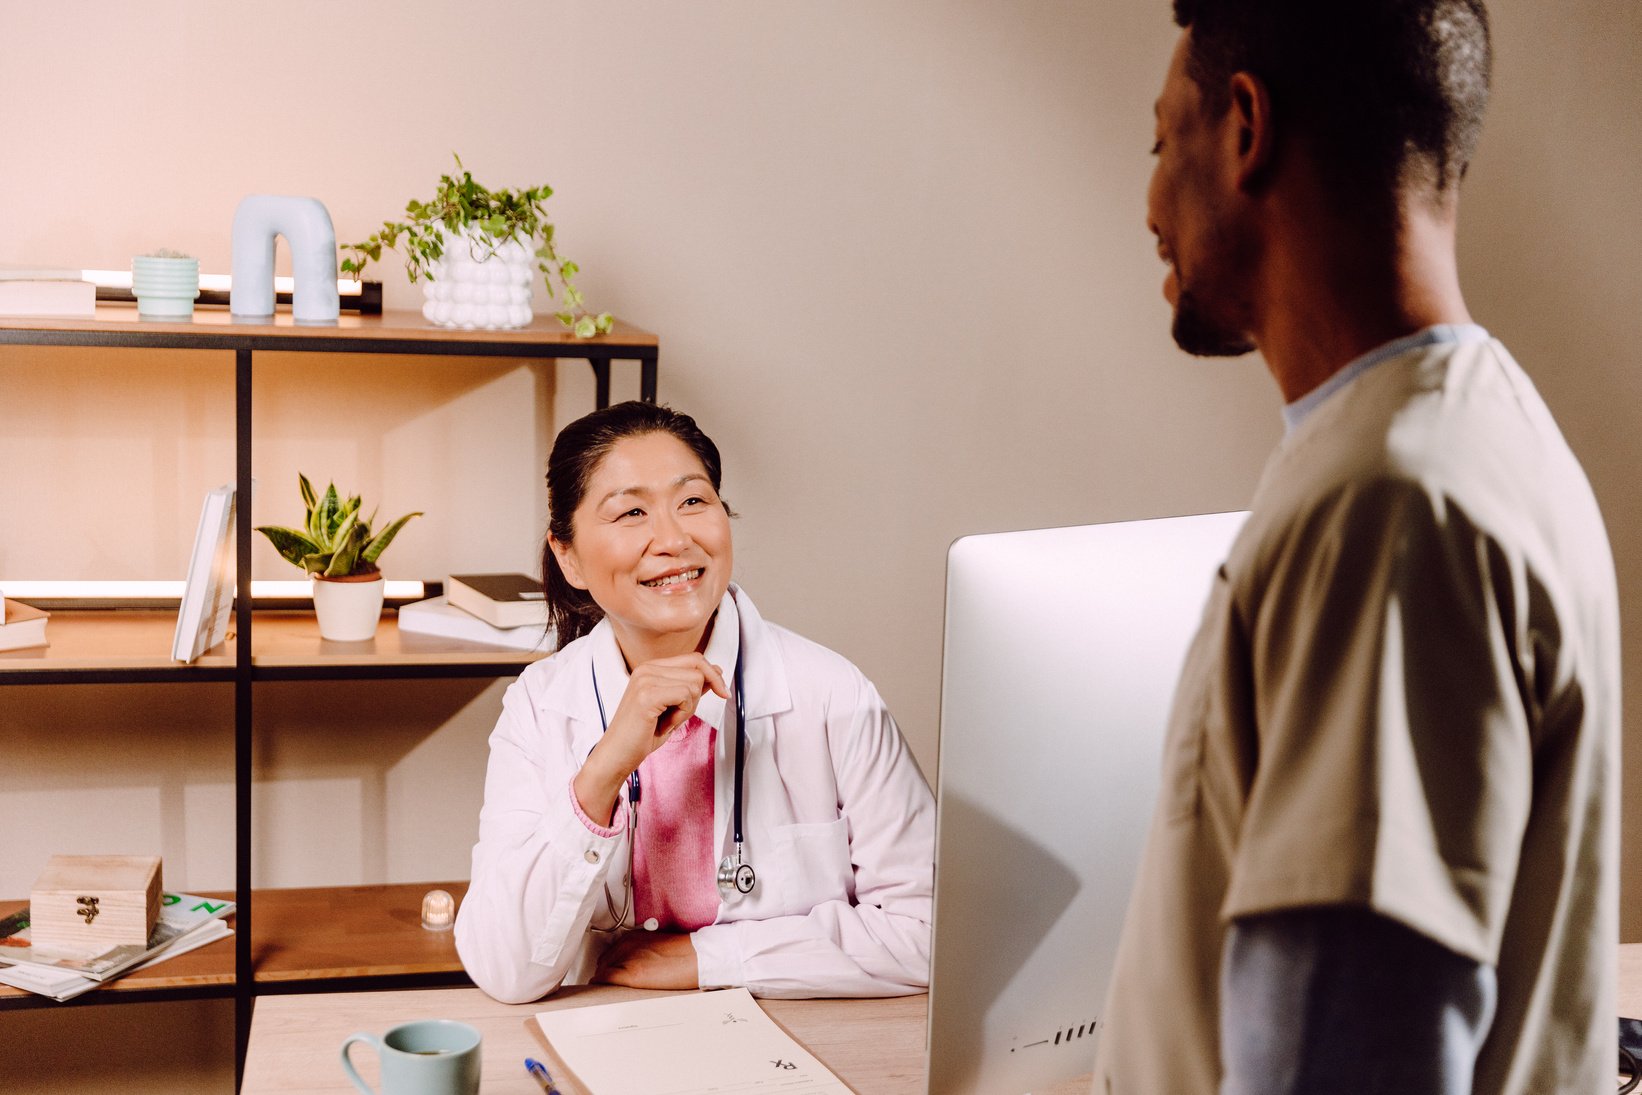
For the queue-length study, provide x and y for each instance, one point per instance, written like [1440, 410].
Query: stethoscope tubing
[738, 871]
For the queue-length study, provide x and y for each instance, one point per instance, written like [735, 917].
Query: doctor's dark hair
[577, 453]
[1388, 93]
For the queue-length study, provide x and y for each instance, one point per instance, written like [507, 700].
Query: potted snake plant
[338, 549]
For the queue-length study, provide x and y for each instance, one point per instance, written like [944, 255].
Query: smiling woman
[738, 741]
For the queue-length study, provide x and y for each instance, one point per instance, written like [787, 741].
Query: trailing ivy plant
[334, 542]
[493, 217]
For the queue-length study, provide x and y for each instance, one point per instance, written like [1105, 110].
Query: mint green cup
[427, 1057]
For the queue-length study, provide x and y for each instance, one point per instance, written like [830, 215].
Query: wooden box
[89, 903]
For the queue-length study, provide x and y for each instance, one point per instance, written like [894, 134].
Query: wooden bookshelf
[288, 939]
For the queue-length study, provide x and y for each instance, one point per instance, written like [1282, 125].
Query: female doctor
[685, 794]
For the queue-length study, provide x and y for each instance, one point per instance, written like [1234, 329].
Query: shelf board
[288, 639]
[393, 332]
[98, 645]
[101, 640]
[349, 932]
[329, 934]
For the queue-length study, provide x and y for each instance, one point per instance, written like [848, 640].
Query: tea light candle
[438, 911]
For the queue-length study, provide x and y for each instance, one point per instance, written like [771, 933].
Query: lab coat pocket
[814, 864]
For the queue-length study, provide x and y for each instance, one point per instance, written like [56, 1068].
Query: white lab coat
[838, 822]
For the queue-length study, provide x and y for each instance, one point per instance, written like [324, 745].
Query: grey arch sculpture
[306, 226]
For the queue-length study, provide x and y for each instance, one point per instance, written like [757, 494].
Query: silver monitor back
[1061, 653]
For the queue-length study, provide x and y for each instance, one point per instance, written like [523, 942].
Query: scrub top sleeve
[539, 871]
[1394, 762]
[878, 943]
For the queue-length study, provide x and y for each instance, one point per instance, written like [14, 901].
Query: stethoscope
[735, 875]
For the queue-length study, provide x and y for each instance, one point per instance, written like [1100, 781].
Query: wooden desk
[875, 1046]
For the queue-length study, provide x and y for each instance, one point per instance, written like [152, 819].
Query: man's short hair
[1386, 92]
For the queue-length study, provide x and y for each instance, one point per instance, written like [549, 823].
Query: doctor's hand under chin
[650, 960]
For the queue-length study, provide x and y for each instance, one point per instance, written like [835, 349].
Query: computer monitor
[1061, 653]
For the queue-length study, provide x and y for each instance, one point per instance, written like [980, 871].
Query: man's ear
[567, 562]
[1252, 128]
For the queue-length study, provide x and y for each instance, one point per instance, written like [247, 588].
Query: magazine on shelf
[61, 984]
[182, 918]
[208, 595]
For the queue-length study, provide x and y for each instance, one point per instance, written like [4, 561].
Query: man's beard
[1201, 336]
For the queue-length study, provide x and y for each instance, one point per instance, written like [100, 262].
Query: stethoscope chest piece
[736, 876]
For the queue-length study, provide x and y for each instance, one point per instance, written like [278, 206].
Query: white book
[21, 626]
[437, 616]
[208, 594]
[24, 297]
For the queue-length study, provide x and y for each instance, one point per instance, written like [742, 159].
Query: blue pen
[539, 1071]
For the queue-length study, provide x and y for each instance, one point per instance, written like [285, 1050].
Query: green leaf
[342, 563]
[586, 327]
[338, 538]
[308, 500]
[326, 514]
[291, 544]
[374, 550]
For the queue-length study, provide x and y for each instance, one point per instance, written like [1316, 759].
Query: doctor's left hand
[650, 960]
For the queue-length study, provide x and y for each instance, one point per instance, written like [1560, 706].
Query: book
[208, 594]
[437, 616]
[501, 600]
[63, 985]
[186, 921]
[47, 297]
[21, 625]
[698, 1041]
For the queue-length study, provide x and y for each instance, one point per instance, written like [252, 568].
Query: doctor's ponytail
[577, 453]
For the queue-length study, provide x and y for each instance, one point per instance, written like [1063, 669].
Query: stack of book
[493, 609]
[21, 626]
[186, 921]
[38, 292]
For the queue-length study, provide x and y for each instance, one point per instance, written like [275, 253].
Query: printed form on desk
[700, 1043]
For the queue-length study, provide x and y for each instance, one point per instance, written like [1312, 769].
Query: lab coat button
[591, 856]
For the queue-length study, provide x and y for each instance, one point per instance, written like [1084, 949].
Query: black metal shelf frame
[245, 673]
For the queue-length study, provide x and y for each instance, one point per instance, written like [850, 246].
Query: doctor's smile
[678, 577]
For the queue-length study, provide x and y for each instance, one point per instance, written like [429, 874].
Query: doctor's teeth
[675, 579]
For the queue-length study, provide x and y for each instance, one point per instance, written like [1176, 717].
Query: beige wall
[896, 256]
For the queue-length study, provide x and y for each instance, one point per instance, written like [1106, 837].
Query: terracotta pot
[348, 608]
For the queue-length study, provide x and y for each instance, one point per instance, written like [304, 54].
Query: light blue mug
[427, 1057]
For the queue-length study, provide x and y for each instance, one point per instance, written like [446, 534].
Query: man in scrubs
[1385, 855]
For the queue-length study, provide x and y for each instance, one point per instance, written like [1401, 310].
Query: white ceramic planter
[472, 288]
[165, 287]
[348, 609]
